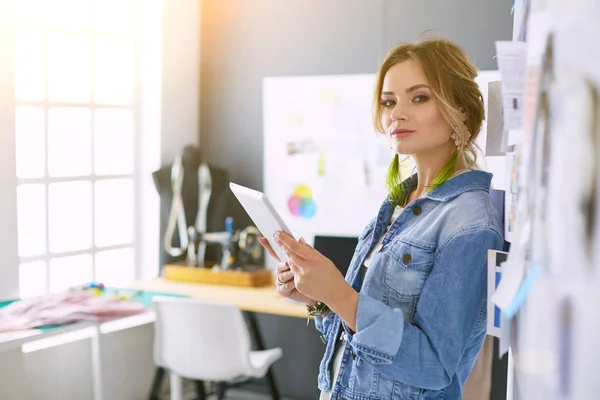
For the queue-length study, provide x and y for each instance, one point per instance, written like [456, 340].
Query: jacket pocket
[406, 270]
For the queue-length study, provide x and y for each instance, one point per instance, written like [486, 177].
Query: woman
[409, 319]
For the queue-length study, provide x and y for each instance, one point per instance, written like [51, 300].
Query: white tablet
[263, 214]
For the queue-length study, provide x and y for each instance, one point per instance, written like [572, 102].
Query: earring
[461, 135]
[460, 138]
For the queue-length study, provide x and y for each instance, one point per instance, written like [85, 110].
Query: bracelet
[319, 308]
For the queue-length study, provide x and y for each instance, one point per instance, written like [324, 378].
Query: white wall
[181, 77]
[9, 274]
[170, 101]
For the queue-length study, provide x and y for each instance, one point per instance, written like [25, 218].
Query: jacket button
[406, 258]
[416, 210]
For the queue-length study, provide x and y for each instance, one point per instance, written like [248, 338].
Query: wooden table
[251, 300]
[259, 299]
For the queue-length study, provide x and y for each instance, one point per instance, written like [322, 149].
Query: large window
[77, 140]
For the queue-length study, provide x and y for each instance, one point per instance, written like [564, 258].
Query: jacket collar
[465, 182]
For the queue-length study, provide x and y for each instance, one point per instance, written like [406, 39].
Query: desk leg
[260, 345]
[97, 381]
[158, 378]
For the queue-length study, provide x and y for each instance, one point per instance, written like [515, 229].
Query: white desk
[35, 339]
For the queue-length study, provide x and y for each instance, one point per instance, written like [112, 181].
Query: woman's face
[410, 115]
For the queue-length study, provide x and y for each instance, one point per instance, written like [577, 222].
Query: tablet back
[262, 213]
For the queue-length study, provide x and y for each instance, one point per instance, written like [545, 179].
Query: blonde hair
[451, 77]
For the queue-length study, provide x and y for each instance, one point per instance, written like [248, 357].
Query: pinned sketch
[301, 146]
[301, 203]
[512, 63]
[330, 96]
[512, 195]
[531, 277]
[512, 277]
[497, 136]
[520, 12]
[292, 120]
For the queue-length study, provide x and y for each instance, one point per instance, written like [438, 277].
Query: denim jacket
[421, 315]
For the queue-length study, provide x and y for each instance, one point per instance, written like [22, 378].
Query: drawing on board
[301, 203]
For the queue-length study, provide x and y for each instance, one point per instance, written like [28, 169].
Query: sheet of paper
[514, 137]
[524, 289]
[495, 318]
[495, 139]
[512, 62]
[596, 226]
[576, 32]
[538, 24]
[483, 79]
[512, 196]
[584, 344]
[512, 277]
[520, 15]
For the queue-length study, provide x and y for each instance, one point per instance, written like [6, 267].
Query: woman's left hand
[315, 275]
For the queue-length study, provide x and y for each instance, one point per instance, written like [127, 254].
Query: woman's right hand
[284, 281]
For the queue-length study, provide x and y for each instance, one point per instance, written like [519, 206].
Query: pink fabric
[62, 308]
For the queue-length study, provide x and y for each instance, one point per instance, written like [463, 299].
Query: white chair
[207, 342]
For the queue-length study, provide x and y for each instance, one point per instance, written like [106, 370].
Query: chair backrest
[201, 340]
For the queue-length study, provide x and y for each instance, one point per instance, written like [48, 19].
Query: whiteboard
[324, 164]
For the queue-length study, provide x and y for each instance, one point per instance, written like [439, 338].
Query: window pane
[69, 14]
[32, 279]
[113, 71]
[30, 11]
[69, 142]
[113, 142]
[114, 215]
[70, 68]
[30, 142]
[31, 219]
[70, 216]
[29, 65]
[66, 272]
[115, 267]
[114, 17]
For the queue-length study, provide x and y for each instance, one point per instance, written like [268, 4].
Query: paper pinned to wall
[512, 61]
[520, 11]
[512, 277]
[497, 136]
[584, 344]
[495, 318]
